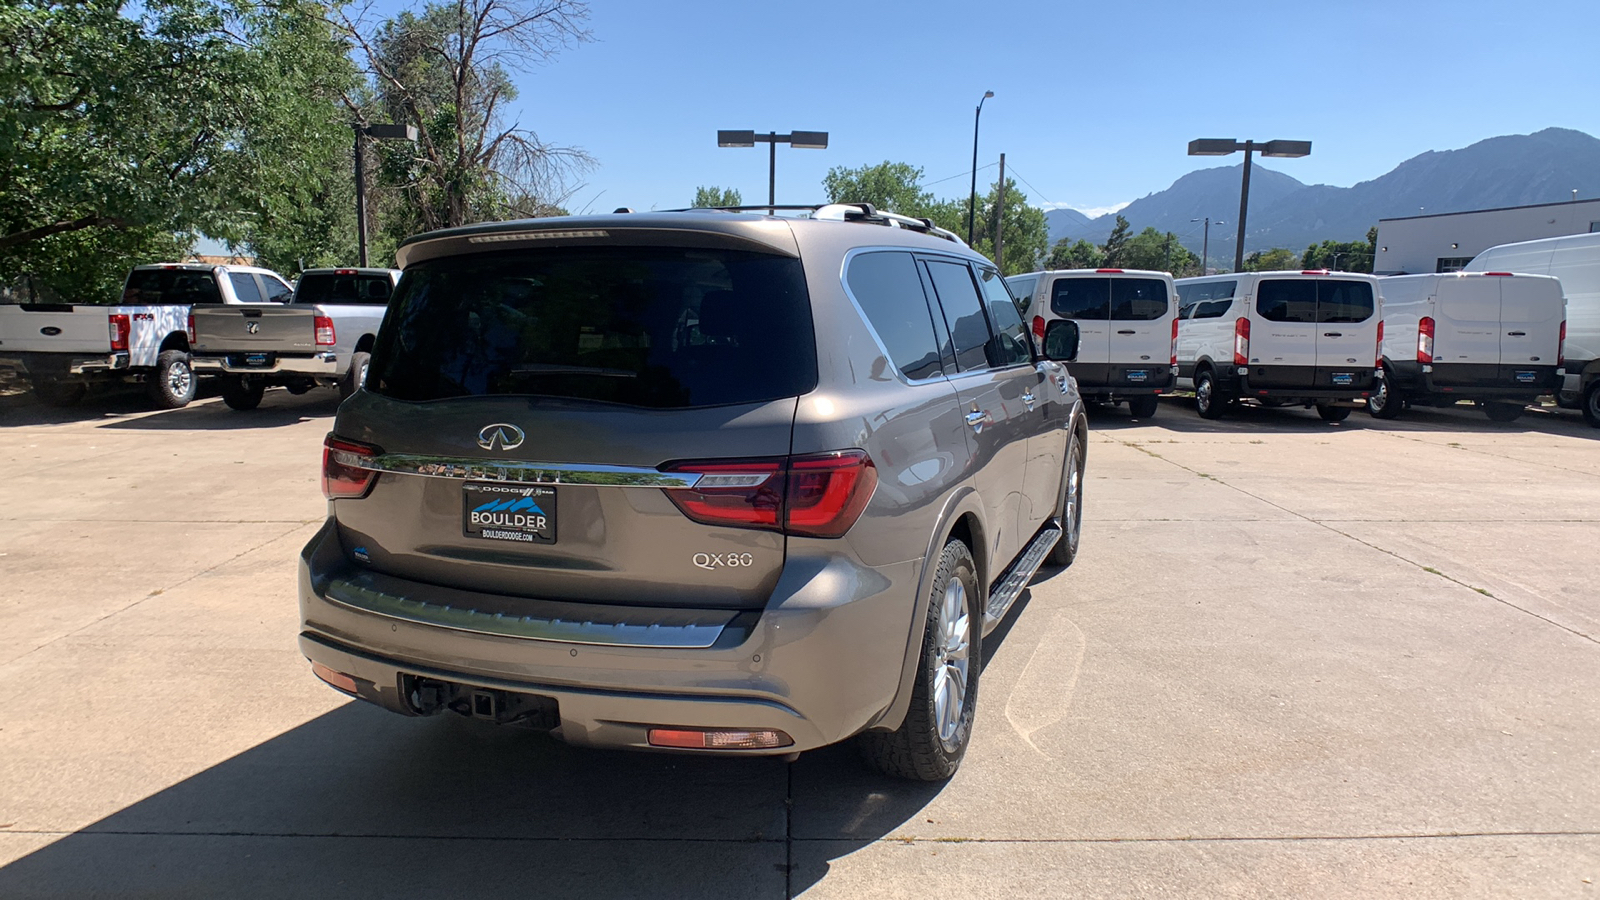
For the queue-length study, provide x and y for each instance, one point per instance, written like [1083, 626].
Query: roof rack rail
[847, 212]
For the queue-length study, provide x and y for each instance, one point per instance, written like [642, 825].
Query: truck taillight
[191, 330]
[1174, 360]
[120, 327]
[1241, 342]
[324, 326]
[343, 476]
[1561, 345]
[818, 495]
[1425, 340]
[1377, 359]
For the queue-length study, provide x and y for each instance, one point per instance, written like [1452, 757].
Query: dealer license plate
[1527, 377]
[257, 360]
[1135, 375]
[501, 511]
[1344, 379]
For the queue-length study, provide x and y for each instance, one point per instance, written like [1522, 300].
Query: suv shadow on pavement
[358, 802]
[277, 409]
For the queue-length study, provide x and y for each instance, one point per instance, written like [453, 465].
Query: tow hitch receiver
[429, 696]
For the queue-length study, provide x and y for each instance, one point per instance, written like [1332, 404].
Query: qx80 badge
[500, 436]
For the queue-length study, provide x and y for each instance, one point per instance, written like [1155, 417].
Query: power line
[927, 184]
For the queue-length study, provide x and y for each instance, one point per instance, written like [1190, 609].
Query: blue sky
[1093, 104]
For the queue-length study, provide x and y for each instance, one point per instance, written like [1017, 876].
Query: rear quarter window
[653, 327]
[889, 291]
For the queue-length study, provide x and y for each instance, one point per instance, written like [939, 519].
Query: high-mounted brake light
[324, 326]
[818, 495]
[1561, 345]
[1174, 360]
[1316, 272]
[1501, 274]
[344, 271]
[1241, 342]
[191, 330]
[1425, 340]
[342, 475]
[1038, 327]
[1109, 271]
[1377, 361]
[120, 328]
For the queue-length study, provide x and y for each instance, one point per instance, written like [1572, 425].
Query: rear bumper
[58, 365]
[820, 663]
[1478, 381]
[1122, 379]
[1319, 385]
[325, 365]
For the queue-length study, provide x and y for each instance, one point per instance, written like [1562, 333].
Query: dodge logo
[500, 436]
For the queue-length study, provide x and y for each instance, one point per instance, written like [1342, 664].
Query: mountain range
[1511, 170]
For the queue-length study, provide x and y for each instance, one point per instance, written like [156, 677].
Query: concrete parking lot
[1294, 660]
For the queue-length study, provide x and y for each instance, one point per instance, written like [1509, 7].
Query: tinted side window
[1011, 345]
[1344, 301]
[1287, 300]
[332, 287]
[277, 291]
[1138, 299]
[1022, 288]
[1211, 309]
[963, 311]
[244, 287]
[1186, 299]
[889, 291]
[1081, 298]
[170, 287]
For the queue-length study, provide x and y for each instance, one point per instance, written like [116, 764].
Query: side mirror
[1061, 340]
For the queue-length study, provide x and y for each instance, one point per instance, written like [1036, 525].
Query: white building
[1448, 241]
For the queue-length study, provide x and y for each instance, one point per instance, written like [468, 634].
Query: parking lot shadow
[278, 409]
[1177, 414]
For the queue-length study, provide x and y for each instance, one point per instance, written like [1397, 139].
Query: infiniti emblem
[500, 436]
[252, 327]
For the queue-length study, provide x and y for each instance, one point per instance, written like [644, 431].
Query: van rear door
[1467, 324]
[1283, 335]
[1140, 340]
[1531, 310]
[1347, 333]
[1087, 301]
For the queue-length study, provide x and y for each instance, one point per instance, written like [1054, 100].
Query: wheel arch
[176, 340]
[364, 345]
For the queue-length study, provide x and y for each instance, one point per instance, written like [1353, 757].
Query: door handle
[977, 419]
[1517, 333]
[1333, 334]
[1027, 398]
[1126, 331]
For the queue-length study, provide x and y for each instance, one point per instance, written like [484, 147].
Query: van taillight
[818, 495]
[1174, 360]
[1038, 327]
[324, 326]
[343, 476]
[1561, 345]
[1425, 340]
[1241, 342]
[191, 330]
[1377, 360]
[120, 328]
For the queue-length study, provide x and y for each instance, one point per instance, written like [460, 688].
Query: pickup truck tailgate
[254, 329]
[55, 328]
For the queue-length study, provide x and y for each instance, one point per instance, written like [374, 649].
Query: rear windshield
[1123, 299]
[654, 327]
[330, 287]
[1314, 300]
[170, 287]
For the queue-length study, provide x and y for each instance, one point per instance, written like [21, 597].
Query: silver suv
[703, 481]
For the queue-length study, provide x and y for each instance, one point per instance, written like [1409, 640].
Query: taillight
[1038, 327]
[1241, 342]
[819, 495]
[324, 326]
[1425, 340]
[1377, 360]
[1174, 343]
[1561, 345]
[342, 475]
[120, 328]
[191, 330]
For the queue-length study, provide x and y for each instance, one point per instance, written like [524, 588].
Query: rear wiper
[552, 369]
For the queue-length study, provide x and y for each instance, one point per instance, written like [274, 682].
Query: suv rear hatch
[532, 409]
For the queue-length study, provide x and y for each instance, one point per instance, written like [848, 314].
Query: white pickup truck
[322, 337]
[61, 348]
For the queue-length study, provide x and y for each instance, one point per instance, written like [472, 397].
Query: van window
[654, 327]
[1344, 301]
[1011, 345]
[1138, 299]
[1081, 298]
[889, 291]
[1286, 300]
[963, 312]
[1212, 309]
[1022, 287]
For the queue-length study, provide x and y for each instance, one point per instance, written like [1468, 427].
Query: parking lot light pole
[804, 140]
[1226, 146]
[1205, 242]
[382, 133]
[972, 198]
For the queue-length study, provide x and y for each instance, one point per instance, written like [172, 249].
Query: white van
[1279, 338]
[1127, 322]
[1576, 261]
[1492, 337]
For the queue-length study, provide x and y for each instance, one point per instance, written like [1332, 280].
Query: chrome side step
[1009, 587]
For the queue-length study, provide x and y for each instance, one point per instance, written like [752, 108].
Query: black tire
[1384, 403]
[242, 394]
[60, 394]
[1069, 509]
[1143, 406]
[928, 746]
[1591, 404]
[357, 373]
[172, 385]
[1333, 413]
[1209, 401]
[1503, 410]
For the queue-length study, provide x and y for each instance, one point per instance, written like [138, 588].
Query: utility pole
[1000, 217]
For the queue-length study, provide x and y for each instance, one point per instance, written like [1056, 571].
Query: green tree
[713, 197]
[1025, 235]
[1276, 259]
[893, 186]
[1150, 249]
[1116, 246]
[1344, 256]
[1080, 254]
